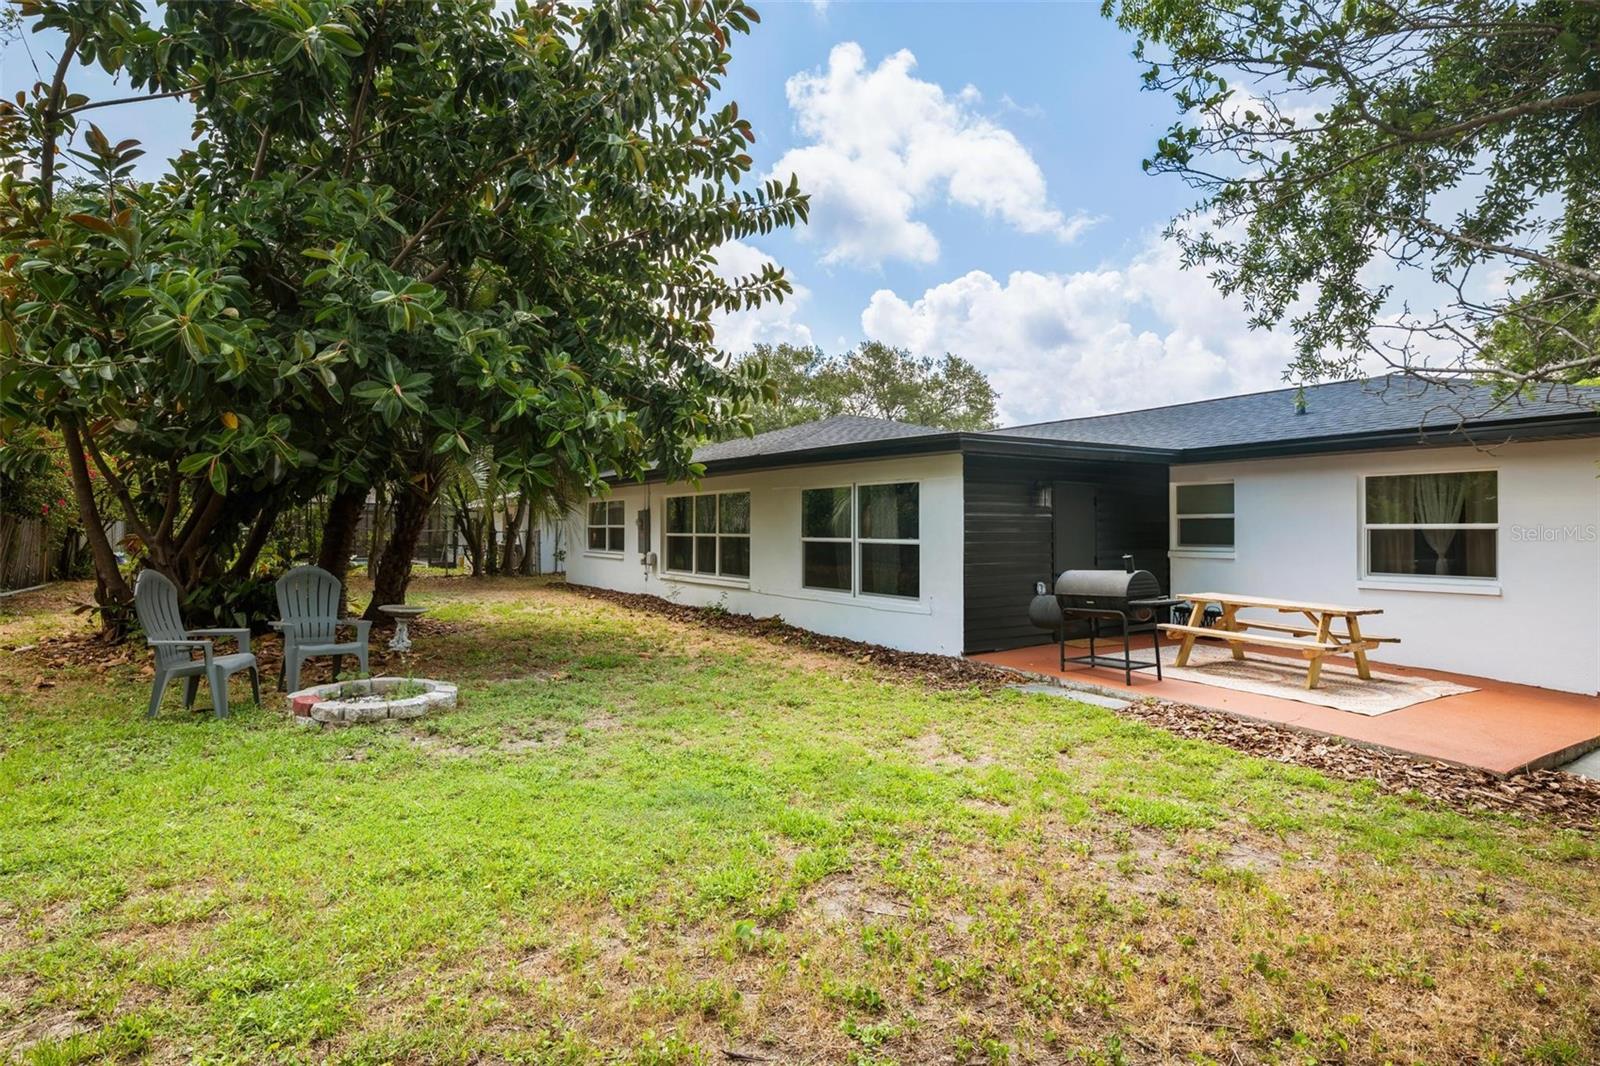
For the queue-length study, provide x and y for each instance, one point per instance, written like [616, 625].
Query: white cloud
[771, 323]
[884, 144]
[1089, 342]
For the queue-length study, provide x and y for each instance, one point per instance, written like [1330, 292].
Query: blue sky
[976, 181]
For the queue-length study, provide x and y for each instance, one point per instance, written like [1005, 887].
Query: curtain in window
[1440, 499]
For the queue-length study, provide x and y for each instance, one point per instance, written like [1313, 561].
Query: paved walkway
[1500, 727]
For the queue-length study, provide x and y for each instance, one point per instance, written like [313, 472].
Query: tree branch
[169, 514]
[47, 153]
[194, 88]
[260, 167]
[434, 219]
[361, 108]
[201, 523]
[1511, 251]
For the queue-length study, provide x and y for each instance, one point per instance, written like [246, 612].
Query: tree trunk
[411, 509]
[339, 538]
[250, 550]
[375, 533]
[110, 587]
[530, 552]
[466, 529]
[508, 562]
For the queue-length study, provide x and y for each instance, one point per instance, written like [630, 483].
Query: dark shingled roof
[1392, 404]
[1388, 411]
[829, 433]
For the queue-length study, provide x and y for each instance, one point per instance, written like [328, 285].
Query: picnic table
[1315, 638]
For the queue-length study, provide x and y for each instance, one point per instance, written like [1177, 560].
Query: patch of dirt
[844, 899]
[434, 744]
[1244, 856]
[51, 1025]
[1139, 863]
[523, 745]
[934, 750]
[603, 722]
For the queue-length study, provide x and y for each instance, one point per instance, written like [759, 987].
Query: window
[1202, 516]
[891, 557]
[606, 529]
[709, 534]
[1432, 525]
[862, 540]
[825, 539]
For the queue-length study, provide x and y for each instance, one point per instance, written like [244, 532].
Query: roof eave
[1482, 434]
[855, 451]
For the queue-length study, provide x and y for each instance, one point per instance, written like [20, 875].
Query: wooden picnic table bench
[1315, 639]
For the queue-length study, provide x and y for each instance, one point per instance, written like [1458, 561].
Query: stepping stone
[1111, 702]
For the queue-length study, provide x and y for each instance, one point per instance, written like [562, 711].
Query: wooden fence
[26, 553]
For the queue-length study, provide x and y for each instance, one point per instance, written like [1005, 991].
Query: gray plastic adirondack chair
[155, 598]
[308, 601]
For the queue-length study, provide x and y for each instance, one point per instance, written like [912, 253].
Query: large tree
[872, 379]
[1414, 178]
[406, 231]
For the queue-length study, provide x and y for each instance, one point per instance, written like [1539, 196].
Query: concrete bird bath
[402, 614]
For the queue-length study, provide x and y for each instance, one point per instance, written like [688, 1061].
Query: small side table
[402, 615]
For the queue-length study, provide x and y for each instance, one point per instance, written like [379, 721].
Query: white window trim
[831, 593]
[605, 553]
[1196, 551]
[679, 577]
[695, 576]
[854, 593]
[1452, 583]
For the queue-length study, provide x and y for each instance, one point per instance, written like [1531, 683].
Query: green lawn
[643, 841]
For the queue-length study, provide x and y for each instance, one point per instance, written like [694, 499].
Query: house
[1474, 524]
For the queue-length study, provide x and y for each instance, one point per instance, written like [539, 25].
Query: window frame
[589, 525]
[1211, 551]
[856, 540]
[1423, 582]
[855, 552]
[850, 540]
[716, 576]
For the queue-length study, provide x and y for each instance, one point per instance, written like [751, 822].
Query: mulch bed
[1560, 798]
[90, 649]
[939, 671]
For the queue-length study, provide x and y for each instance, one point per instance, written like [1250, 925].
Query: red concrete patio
[1500, 727]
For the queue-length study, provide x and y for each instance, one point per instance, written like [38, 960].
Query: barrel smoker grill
[1128, 597]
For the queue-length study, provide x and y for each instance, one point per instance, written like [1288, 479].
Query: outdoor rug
[1340, 687]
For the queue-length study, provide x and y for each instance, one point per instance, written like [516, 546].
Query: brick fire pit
[351, 702]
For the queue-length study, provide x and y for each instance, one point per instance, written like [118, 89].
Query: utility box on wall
[641, 520]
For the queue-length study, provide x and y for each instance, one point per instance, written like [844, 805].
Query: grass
[639, 841]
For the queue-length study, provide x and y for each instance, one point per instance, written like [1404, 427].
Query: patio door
[1076, 507]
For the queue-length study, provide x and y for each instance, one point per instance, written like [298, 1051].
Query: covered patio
[1499, 727]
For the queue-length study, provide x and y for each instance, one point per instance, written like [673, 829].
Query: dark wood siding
[1009, 537]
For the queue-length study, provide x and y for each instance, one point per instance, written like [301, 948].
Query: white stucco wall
[931, 623]
[1298, 535]
[553, 545]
